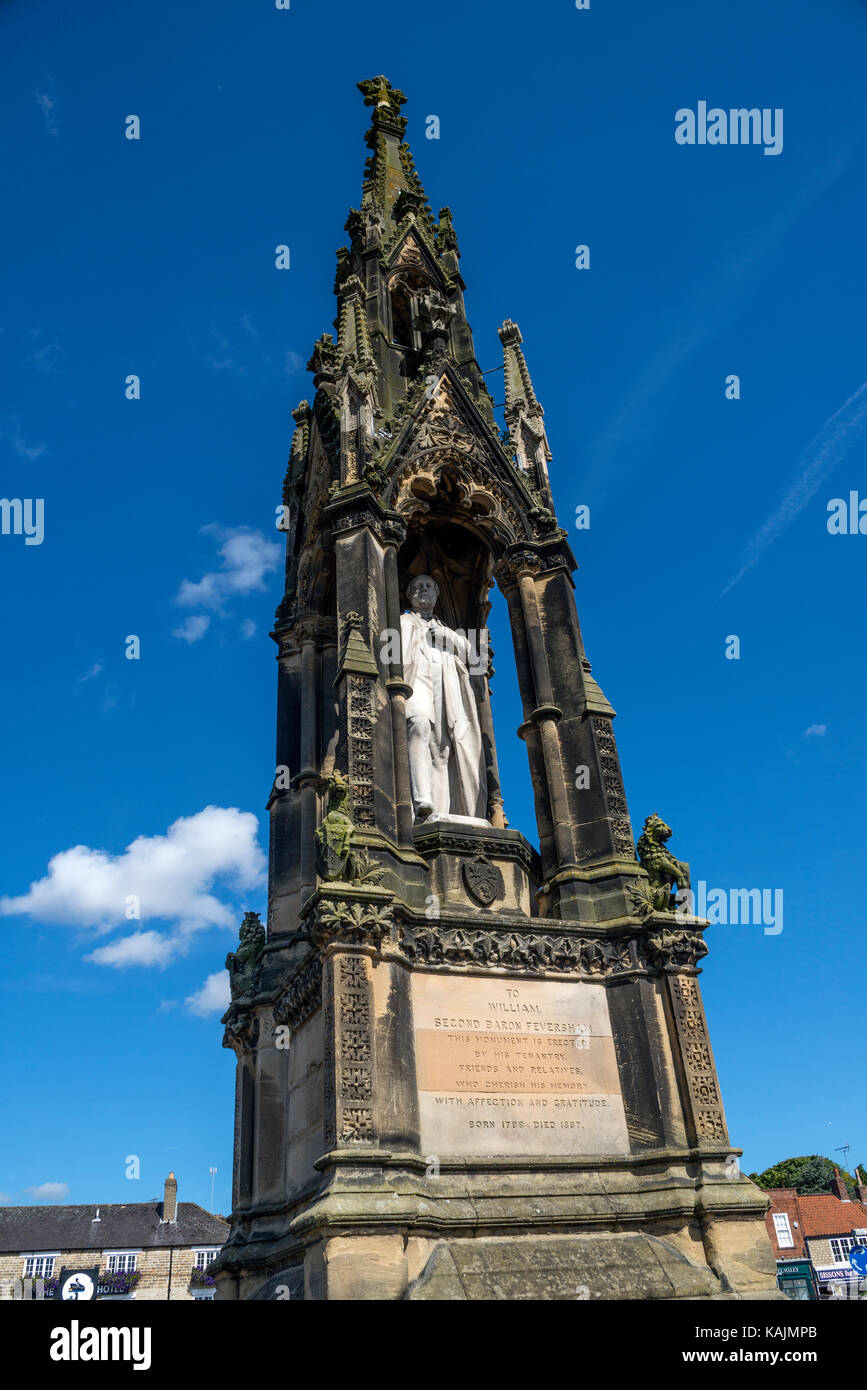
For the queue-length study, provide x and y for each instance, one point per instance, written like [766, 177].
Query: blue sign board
[858, 1259]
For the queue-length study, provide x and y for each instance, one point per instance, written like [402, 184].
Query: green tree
[808, 1175]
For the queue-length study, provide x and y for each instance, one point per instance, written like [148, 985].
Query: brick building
[143, 1250]
[812, 1236]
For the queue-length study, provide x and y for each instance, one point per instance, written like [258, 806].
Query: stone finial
[509, 333]
[446, 236]
[379, 93]
[323, 361]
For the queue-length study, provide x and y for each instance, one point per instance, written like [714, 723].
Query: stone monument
[468, 1066]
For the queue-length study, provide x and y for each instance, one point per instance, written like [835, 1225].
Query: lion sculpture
[243, 964]
[660, 865]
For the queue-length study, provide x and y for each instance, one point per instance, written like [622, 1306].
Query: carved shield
[483, 880]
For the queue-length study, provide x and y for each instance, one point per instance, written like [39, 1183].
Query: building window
[782, 1229]
[842, 1245]
[122, 1262]
[39, 1266]
[798, 1289]
[204, 1257]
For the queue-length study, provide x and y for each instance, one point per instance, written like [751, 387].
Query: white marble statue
[446, 761]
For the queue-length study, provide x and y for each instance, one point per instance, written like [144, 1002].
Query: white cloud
[89, 675]
[25, 450]
[22, 448]
[171, 875]
[248, 628]
[49, 106]
[220, 364]
[213, 997]
[192, 629]
[142, 948]
[246, 557]
[49, 1191]
[240, 350]
[815, 731]
[46, 358]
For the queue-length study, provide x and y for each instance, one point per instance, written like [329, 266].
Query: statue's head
[656, 829]
[338, 791]
[422, 593]
[252, 932]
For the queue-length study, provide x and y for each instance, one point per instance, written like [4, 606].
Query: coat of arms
[483, 880]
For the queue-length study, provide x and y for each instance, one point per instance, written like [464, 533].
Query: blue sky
[156, 258]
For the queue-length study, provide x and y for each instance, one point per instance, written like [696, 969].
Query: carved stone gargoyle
[660, 865]
[336, 860]
[243, 964]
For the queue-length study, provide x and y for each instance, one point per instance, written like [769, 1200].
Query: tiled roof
[826, 1215]
[134, 1224]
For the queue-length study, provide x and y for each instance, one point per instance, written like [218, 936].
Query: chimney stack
[170, 1199]
[838, 1186]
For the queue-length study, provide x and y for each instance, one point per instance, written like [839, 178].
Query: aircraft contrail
[818, 460]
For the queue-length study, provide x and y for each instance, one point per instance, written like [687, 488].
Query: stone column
[348, 1075]
[546, 714]
[528, 731]
[706, 1123]
[366, 734]
[398, 694]
[309, 704]
[486, 724]
[308, 778]
[329, 705]
[596, 811]
[271, 1090]
[242, 1035]
[492, 768]
[284, 803]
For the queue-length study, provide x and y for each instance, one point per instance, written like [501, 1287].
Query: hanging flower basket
[118, 1281]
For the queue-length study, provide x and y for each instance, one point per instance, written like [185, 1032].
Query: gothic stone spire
[524, 414]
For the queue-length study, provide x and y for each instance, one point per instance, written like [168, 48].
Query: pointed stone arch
[463, 484]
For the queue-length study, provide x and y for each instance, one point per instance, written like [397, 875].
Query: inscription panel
[523, 1067]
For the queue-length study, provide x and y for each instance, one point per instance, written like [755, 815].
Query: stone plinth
[478, 867]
